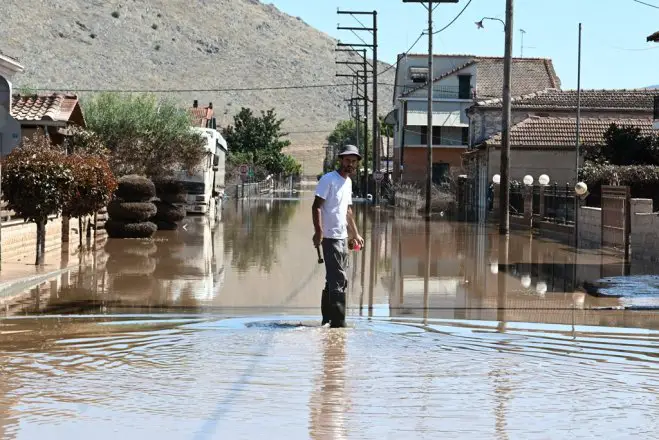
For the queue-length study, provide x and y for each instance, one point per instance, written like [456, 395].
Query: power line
[227, 89]
[646, 4]
[455, 19]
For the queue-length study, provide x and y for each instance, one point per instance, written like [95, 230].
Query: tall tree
[259, 140]
[146, 136]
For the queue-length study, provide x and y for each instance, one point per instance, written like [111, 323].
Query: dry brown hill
[76, 45]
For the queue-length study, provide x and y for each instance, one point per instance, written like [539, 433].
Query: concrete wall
[644, 231]
[590, 227]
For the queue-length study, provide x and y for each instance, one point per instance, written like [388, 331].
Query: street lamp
[528, 180]
[479, 24]
[581, 189]
[543, 180]
[496, 179]
[430, 8]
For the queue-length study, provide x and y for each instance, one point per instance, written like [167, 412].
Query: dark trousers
[335, 253]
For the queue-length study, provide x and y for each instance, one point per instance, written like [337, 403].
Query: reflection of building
[197, 267]
[445, 284]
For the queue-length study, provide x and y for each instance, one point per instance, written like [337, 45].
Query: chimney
[195, 104]
[210, 105]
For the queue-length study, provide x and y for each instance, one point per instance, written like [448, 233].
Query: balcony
[439, 92]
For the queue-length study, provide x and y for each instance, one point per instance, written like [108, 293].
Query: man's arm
[352, 227]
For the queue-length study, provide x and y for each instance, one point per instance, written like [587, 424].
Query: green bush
[131, 211]
[120, 229]
[134, 188]
[643, 180]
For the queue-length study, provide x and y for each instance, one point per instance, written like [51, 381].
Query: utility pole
[576, 165]
[374, 71]
[363, 76]
[430, 8]
[521, 52]
[504, 199]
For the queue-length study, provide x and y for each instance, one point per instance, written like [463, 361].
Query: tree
[624, 145]
[257, 140]
[145, 136]
[91, 190]
[36, 181]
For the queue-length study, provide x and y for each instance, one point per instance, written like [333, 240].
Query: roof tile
[553, 132]
[54, 107]
[552, 98]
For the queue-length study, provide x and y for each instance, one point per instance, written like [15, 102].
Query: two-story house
[458, 81]
[8, 129]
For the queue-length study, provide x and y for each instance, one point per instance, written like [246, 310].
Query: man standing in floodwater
[333, 223]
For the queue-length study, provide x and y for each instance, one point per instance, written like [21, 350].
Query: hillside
[78, 45]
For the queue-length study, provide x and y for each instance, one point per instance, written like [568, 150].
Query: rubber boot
[325, 306]
[338, 310]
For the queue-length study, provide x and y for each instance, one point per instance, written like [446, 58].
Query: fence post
[528, 206]
[541, 208]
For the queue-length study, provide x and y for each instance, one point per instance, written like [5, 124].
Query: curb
[15, 287]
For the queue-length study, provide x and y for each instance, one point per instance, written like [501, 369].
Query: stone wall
[644, 230]
[590, 227]
[19, 239]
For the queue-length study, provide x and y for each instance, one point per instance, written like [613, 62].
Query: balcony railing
[440, 92]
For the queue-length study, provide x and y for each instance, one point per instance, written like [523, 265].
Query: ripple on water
[287, 376]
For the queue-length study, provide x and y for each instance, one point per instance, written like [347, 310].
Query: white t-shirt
[337, 193]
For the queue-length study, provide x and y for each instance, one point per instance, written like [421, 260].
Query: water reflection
[253, 230]
[329, 400]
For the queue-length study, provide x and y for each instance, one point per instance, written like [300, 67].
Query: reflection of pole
[363, 265]
[426, 276]
[401, 276]
[502, 281]
[371, 272]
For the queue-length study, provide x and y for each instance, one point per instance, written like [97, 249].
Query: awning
[445, 119]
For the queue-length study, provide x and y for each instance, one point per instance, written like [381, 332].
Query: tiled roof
[614, 99]
[201, 115]
[529, 75]
[549, 132]
[55, 107]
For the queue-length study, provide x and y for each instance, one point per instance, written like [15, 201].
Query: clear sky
[614, 51]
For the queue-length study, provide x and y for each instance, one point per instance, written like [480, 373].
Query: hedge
[643, 180]
[120, 229]
[136, 247]
[130, 265]
[133, 188]
[131, 211]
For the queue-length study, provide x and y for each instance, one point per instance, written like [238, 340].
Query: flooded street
[213, 331]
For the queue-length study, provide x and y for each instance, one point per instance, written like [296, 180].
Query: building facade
[458, 82]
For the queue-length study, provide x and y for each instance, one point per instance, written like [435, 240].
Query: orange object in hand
[353, 245]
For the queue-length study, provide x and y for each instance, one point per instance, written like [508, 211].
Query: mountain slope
[75, 45]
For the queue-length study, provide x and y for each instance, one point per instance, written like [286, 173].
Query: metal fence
[559, 204]
[516, 206]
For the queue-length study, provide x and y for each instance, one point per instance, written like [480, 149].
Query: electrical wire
[455, 19]
[646, 4]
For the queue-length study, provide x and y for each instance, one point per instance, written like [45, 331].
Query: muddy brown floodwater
[213, 331]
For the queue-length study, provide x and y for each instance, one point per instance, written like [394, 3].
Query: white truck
[205, 187]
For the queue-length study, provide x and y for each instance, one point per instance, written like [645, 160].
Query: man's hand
[359, 239]
[317, 238]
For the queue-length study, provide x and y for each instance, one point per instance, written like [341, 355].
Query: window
[419, 74]
[465, 135]
[436, 135]
[656, 107]
[440, 173]
[464, 87]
